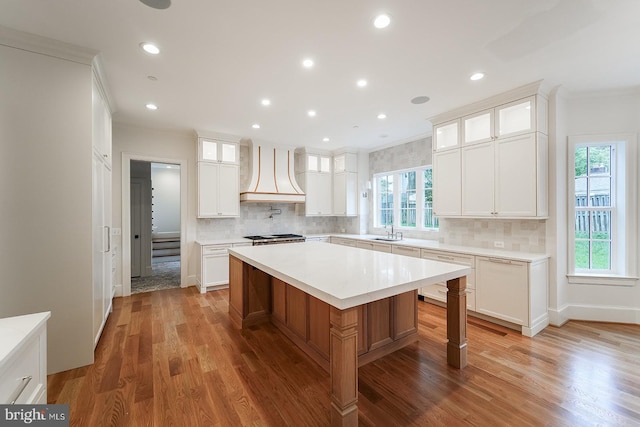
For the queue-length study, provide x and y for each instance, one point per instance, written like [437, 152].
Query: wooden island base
[338, 340]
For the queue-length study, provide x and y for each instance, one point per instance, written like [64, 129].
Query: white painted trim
[611, 280]
[603, 313]
[46, 46]
[558, 317]
[126, 216]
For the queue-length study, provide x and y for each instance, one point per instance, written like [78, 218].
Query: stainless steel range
[273, 239]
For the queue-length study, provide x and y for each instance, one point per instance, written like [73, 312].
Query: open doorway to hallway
[155, 226]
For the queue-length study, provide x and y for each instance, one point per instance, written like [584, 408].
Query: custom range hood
[272, 175]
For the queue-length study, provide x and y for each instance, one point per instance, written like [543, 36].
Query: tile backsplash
[257, 218]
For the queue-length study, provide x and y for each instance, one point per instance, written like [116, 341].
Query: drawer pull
[20, 389]
[449, 258]
[500, 261]
[441, 291]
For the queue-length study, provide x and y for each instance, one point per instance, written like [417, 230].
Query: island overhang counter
[342, 306]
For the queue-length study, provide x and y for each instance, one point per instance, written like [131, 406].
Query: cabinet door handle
[500, 261]
[16, 394]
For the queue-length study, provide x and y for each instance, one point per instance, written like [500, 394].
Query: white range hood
[273, 177]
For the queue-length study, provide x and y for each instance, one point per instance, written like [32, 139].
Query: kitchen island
[342, 306]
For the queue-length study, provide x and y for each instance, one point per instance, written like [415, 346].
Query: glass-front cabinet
[514, 118]
[218, 151]
[447, 135]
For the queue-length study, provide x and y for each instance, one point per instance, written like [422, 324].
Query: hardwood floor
[172, 357]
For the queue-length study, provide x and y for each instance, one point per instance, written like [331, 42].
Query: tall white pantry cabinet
[102, 261]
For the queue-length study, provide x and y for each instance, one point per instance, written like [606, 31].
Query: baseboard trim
[602, 313]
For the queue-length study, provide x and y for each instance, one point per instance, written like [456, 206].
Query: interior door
[136, 229]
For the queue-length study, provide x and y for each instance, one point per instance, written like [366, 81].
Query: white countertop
[230, 241]
[14, 330]
[432, 244]
[343, 276]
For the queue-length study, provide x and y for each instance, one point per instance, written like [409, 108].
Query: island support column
[343, 363]
[457, 322]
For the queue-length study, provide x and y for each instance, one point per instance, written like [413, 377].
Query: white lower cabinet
[379, 247]
[514, 291]
[438, 291]
[23, 364]
[213, 266]
[406, 250]
[344, 242]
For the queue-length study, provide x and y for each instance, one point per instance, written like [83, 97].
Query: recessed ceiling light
[151, 106]
[325, 139]
[382, 21]
[311, 113]
[265, 102]
[476, 76]
[361, 83]
[157, 4]
[307, 63]
[420, 100]
[382, 116]
[150, 48]
[255, 126]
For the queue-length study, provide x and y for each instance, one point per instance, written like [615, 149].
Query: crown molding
[46, 46]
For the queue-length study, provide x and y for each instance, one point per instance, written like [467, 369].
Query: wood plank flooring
[172, 358]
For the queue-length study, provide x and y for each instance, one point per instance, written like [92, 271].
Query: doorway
[155, 226]
[154, 210]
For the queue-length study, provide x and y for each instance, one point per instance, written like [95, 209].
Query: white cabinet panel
[516, 176]
[218, 190]
[447, 183]
[318, 189]
[478, 180]
[228, 190]
[502, 289]
[345, 194]
[23, 368]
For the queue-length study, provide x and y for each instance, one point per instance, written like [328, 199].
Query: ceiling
[219, 59]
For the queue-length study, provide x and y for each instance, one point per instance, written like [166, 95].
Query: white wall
[166, 198]
[45, 199]
[601, 113]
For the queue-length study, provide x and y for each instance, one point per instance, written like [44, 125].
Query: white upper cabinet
[345, 162]
[210, 150]
[503, 157]
[514, 118]
[447, 195]
[101, 122]
[318, 163]
[218, 177]
[446, 135]
[478, 127]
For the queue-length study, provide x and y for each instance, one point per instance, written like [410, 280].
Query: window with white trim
[602, 201]
[404, 199]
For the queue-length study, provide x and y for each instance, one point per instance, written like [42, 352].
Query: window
[602, 201]
[405, 199]
[428, 220]
[385, 199]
